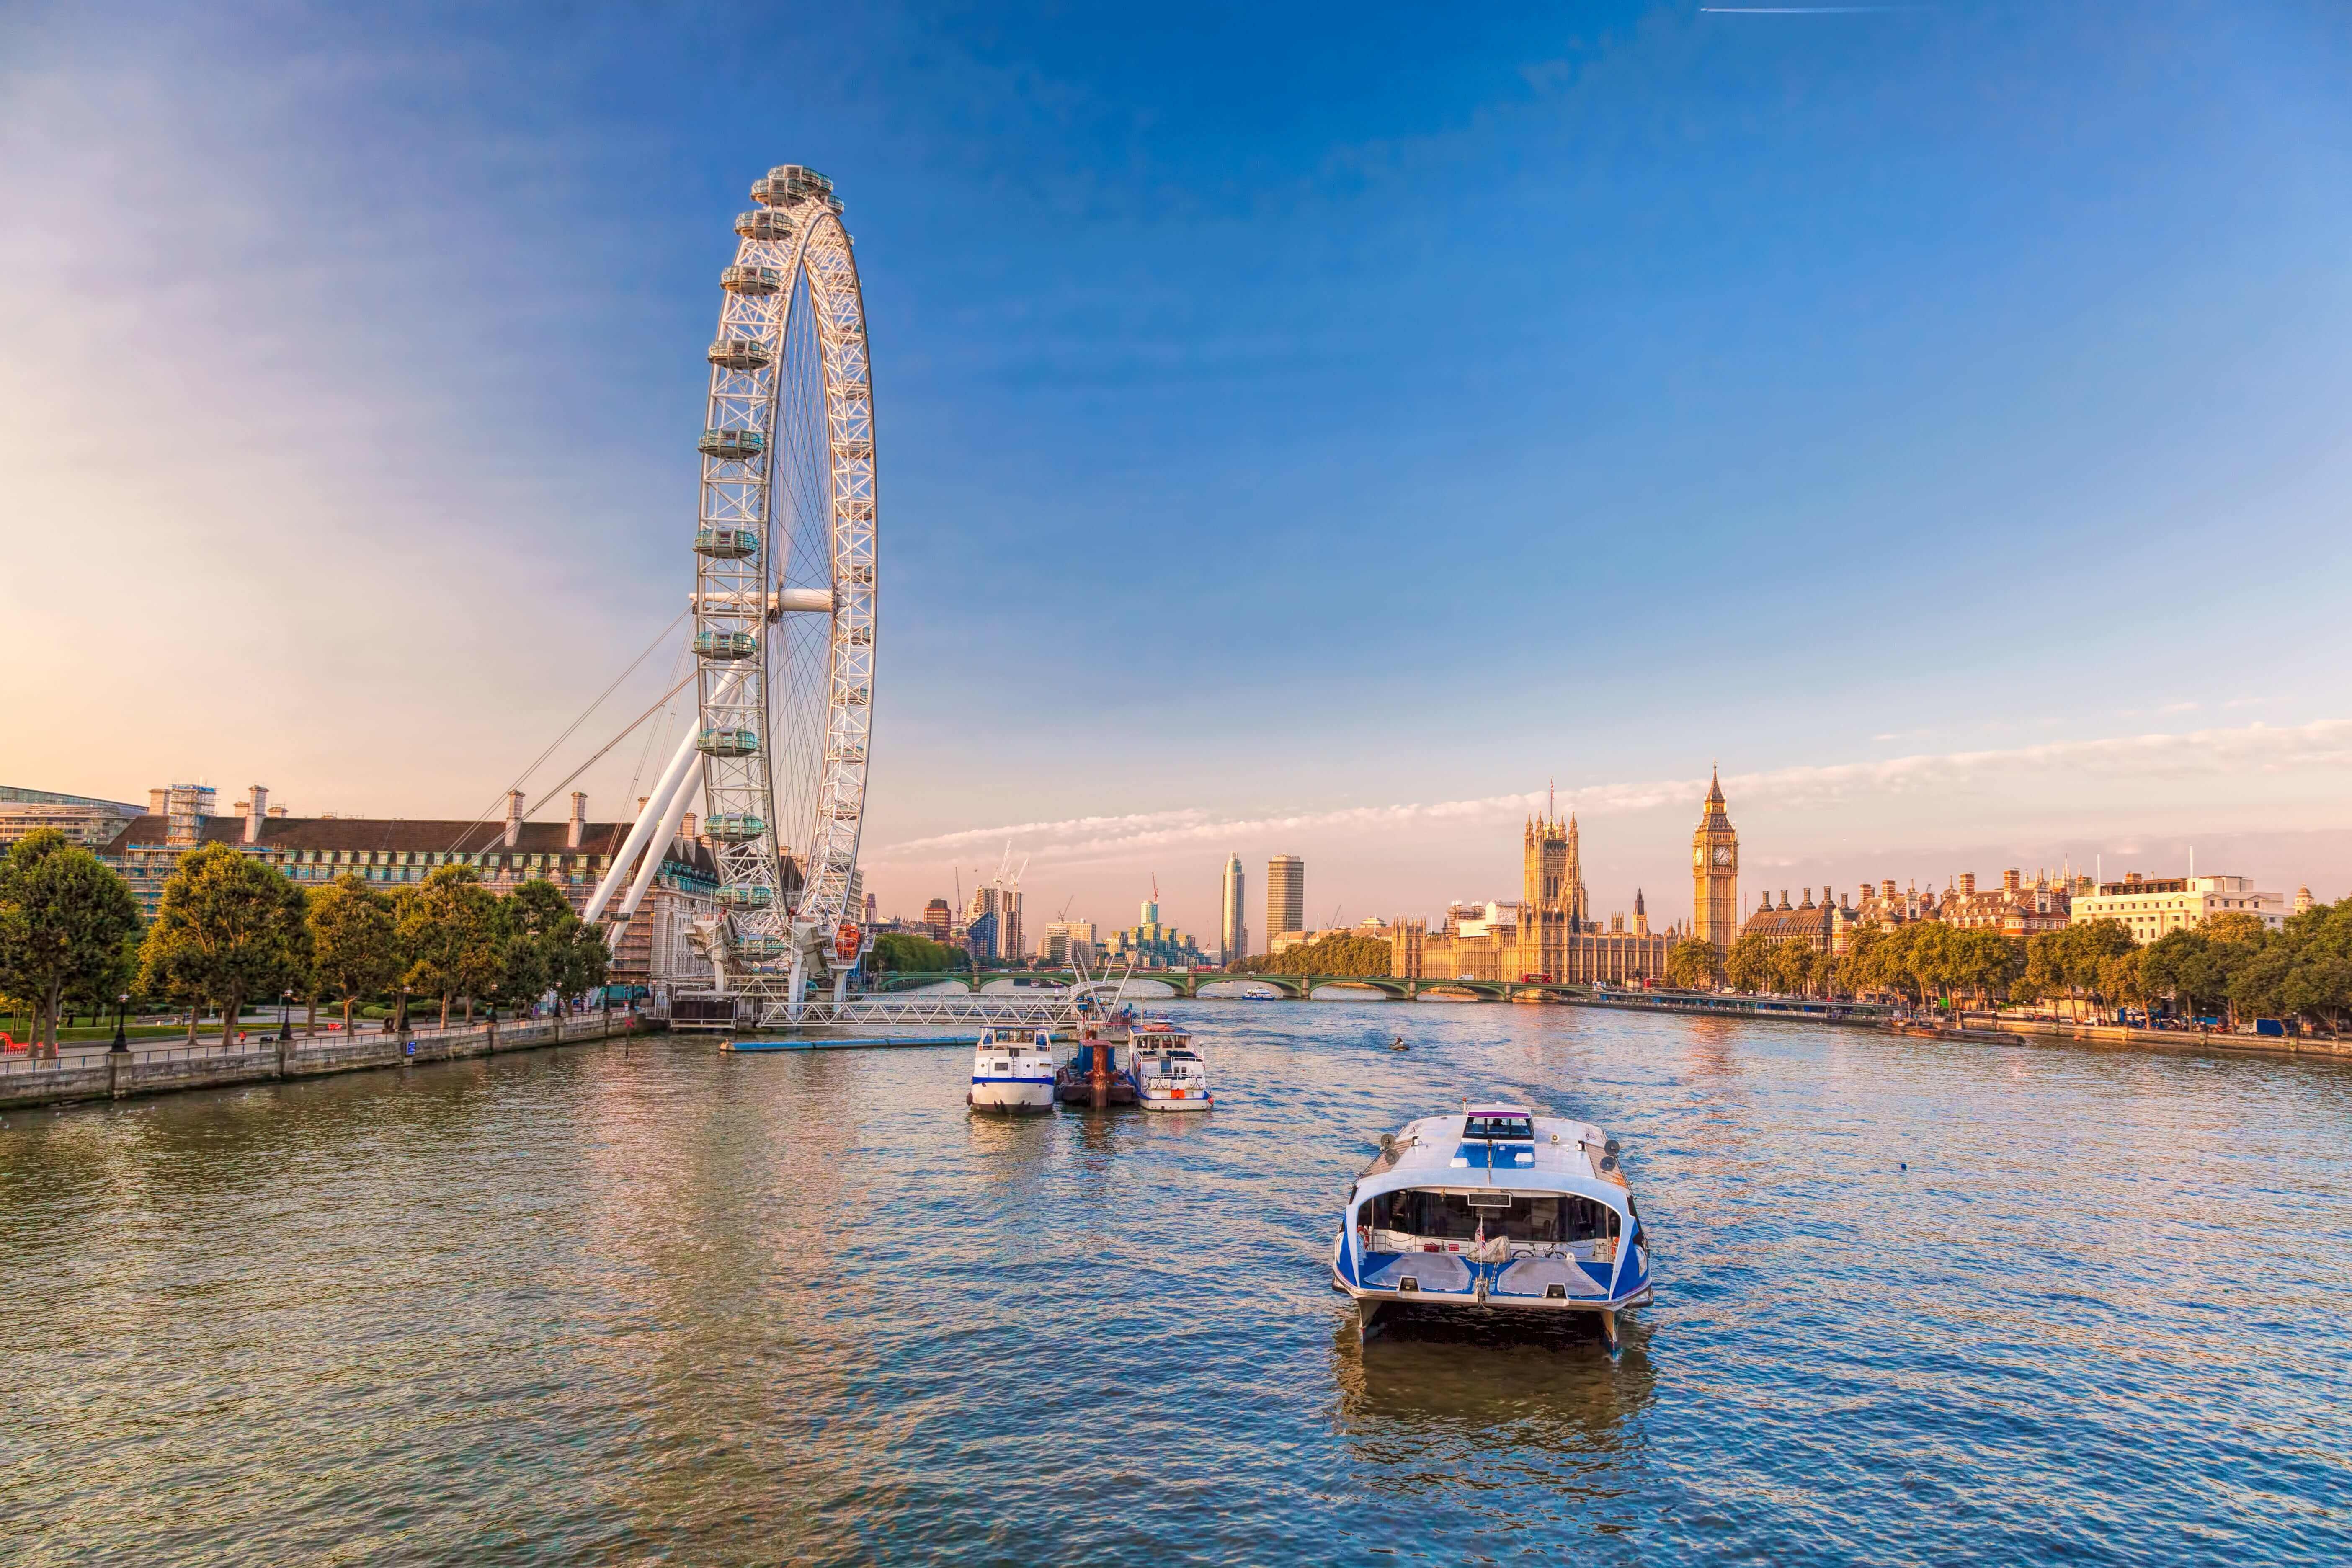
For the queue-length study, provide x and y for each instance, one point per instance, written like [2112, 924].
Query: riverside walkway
[86, 1075]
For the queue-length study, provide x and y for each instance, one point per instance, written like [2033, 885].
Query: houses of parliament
[1551, 931]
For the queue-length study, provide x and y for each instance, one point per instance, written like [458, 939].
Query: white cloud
[2143, 758]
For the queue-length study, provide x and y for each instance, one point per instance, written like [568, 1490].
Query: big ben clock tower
[1714, 872]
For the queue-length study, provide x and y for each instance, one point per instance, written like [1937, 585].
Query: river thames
[1916, 1303]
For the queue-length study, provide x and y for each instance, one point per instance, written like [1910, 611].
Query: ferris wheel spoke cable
[625, 732]
[568, 731]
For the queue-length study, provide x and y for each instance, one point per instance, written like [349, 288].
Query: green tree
[2088, 948]
[453, 937]
[1861, 969]
[1790, 964]
[580, 961]
[1692, 964]
[2237, 928]
[904, 952]
[2194, 969]
[2316, 946]
[226, 931]
[352, 939]
[65, 920]
[1986, 962]
[1931, 954]
[1340, 953]
[2122, 978]
[538, 922]
[302, 973]
[1749, 965]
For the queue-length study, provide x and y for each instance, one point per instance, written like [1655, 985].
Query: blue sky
[1301, 430]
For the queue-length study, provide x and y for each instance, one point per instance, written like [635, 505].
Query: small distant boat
[1013, 1071]
[1496, 1209]
[1169, 1073]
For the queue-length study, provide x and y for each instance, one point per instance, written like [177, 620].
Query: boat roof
[1430, 1153]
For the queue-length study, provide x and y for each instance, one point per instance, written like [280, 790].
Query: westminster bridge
[1189, 985]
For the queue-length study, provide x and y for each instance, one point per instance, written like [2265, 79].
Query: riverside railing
[106, 1074]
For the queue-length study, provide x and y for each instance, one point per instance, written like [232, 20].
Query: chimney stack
[2010, 880]
[159, 802]
[1887, 888]
[1967, 883]
[686, 827]
[578, 829]
[256, 808]
[514, 816]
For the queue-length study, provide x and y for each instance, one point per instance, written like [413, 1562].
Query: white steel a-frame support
[671, 784]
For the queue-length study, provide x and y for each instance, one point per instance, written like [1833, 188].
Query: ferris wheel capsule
[741, 353]
[765, 222]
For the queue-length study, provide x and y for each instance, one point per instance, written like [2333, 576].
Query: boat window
[1499, 1127]
[1451, 1217]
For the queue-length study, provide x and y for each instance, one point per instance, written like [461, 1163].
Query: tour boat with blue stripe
[1496, 1209]
[1169, 1073]
[1012, 1070]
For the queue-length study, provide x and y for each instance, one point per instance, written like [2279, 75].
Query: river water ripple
[609, 1305]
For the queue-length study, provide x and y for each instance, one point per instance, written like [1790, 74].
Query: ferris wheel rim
[745, 443]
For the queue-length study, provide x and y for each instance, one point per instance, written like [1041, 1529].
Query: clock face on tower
[1723, 854]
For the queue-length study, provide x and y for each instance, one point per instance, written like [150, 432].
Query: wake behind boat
[1495, 1208]
[1013, 1071]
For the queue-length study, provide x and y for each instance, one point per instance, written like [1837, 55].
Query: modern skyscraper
[936, 918]
[1714, 872]
[1233, 932]
[1066, 942]
[1286, 896]
[1000, 906]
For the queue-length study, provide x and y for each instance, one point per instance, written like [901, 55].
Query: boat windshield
[1500, 1125]
[1411, 1219]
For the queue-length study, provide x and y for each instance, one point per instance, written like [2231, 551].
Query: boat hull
[1202, 1102]
[1077, 1089]
[1019, 1098]
[1465, 1295]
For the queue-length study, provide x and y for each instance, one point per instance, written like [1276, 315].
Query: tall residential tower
[1286, 896]
[1232, 931]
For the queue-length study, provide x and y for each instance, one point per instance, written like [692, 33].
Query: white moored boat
[1495, 1208]
[1169, 1073]
[1012, 1070]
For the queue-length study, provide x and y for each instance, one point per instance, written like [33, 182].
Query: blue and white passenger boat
[1495, 1208]
[1012, 1070]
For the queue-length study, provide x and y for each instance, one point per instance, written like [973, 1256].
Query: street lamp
[122, 1006]
[285, 1018]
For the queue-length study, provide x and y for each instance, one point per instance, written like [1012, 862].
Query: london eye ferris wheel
[784, 605]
